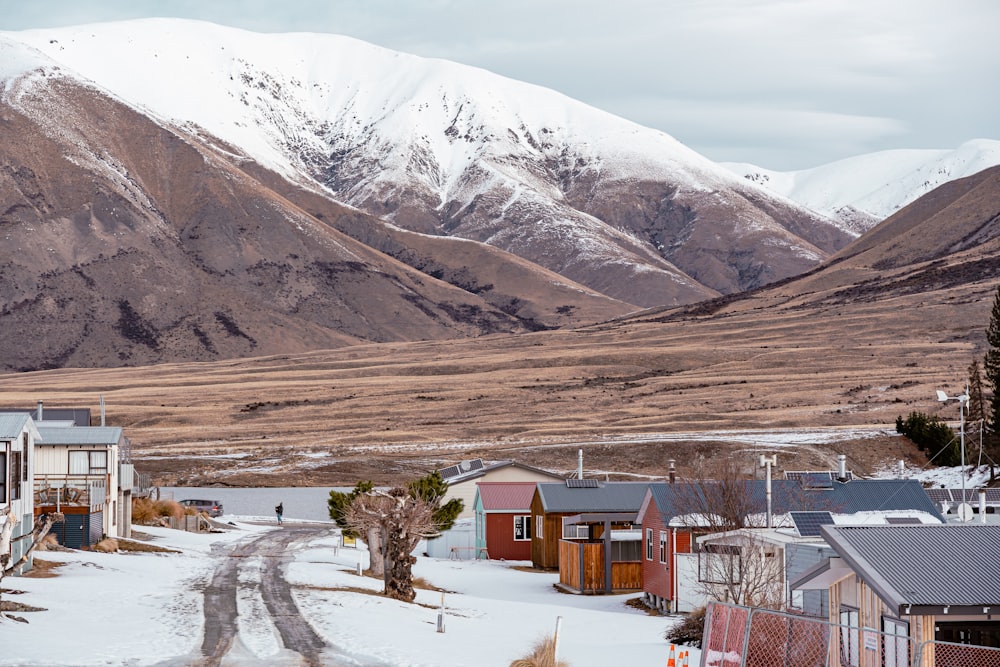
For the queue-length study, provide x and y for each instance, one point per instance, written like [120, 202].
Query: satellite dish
[965, 512]
[465, 466]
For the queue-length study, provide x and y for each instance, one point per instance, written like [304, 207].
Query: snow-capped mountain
[444, 149]
[863, 190]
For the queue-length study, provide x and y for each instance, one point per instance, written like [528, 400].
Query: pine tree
[432, 489]
[975, 416]
[991, 364]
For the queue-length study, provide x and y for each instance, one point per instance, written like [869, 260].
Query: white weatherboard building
[18, 435]
[77, 473]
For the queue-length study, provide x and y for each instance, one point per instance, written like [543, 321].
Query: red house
[660, 542]
[503, 519]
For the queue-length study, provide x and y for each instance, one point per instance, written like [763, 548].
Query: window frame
[4, 471]
[663, 547]
[850, 636]
[92, 469]
[896, 642]
[525, 521]
[649, 544]
[16, 459]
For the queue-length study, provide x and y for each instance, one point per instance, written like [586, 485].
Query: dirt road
[222, 645]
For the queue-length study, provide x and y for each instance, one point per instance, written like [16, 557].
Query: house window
[3, 477]
[897, 642]
[663, 546]
[522, 528]
[15, 475]
[26, 447]
[539, 523]
[88, 462]
[649, 544]
[850, 639]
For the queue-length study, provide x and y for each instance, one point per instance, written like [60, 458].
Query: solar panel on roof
[817, 480]
[901, 520]
[939, 495]
[808, 523]
[581, 483]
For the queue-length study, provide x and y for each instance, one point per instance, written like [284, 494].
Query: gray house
[922, 583]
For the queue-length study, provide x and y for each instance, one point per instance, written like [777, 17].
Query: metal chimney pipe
[102, 409]
[841, 467]
[579, 464]
[902, 469]
[982, 505]
[38, 416]
[766, 462]
[672, 471]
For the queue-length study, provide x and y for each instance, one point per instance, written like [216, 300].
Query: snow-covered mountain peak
[442, 148]
[299, 87]
[873, 186]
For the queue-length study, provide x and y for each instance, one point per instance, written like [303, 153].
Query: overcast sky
[785, 84]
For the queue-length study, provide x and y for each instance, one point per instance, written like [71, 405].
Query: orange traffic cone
[672, 659]
[684, 658]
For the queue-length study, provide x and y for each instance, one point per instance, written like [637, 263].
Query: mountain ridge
[442, 148]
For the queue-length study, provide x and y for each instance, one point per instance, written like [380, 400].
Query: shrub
[542, 655]
[932, 436]
[689, 631]
[108, 545]
[146, 511]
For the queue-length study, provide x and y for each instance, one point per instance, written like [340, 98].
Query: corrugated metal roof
[12, 424]
[929, 564]
[608, 497]
[80, 435]
[506, 496]
[859, 495]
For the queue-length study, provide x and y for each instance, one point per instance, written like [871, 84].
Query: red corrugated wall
[500, 538]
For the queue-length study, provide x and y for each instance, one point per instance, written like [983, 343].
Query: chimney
[902, 469]
[982, 505]
[102, 409]
[672, 471]
[842, 467]
[38, 416]
[579, 464]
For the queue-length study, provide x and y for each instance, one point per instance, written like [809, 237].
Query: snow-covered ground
[147, 609]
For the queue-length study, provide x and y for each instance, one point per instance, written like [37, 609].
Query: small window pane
[79, 463]
[98, 462]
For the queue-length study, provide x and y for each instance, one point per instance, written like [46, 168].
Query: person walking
[279, 510]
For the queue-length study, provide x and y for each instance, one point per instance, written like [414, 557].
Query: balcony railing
[71, 491]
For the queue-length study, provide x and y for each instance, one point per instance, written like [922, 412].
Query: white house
[18, 436]
[463, 477]
[77, 473]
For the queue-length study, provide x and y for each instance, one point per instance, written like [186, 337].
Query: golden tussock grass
[146, 511]
[542, 655]
[108, 545]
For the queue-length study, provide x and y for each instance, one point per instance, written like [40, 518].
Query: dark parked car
[211, 507]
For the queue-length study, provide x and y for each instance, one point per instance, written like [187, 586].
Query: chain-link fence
[738, 636]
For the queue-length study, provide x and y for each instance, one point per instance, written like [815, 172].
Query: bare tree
[742, 568]
[338, 504]
[739, 566]
[402, 520]
[41, 528]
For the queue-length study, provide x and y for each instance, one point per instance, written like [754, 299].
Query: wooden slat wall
[569, 564]
[626, 576]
